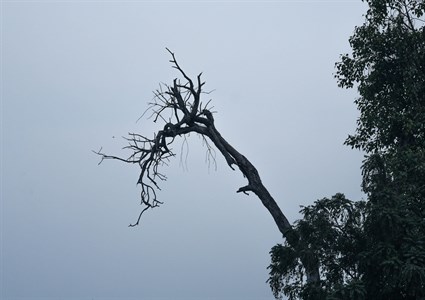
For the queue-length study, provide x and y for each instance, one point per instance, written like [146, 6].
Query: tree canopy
[373, 249]
[332, 229]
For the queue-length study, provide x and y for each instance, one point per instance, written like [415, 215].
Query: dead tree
[181, 104]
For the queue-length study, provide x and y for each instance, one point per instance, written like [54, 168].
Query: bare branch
[188, 114]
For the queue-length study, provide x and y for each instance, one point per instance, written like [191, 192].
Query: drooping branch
[179, 106]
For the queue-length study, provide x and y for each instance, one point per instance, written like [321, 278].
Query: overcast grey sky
[75, 74]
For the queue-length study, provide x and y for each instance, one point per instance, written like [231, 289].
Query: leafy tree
[387, 65]
[332, 229]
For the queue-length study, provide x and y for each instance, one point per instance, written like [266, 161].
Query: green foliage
[388, 65]
[330, 232]
[374, 249]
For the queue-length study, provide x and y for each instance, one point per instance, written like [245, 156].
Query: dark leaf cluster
[331, 233]
[381, 254]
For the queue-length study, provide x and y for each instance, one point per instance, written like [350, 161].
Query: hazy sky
[76, 74]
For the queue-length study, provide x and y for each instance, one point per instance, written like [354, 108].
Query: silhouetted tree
[180, 107]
